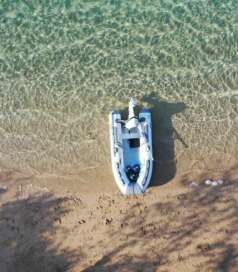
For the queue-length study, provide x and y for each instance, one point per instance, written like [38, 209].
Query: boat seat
[130, 135]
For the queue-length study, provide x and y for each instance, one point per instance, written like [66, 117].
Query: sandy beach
[81, 222]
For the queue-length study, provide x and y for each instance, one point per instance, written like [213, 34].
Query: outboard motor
[132, 119]
[133, 172]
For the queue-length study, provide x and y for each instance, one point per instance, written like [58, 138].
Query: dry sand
[80, 222]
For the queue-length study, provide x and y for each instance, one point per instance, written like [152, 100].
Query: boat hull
[130, 149]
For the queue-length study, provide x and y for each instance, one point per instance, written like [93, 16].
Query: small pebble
[108, 221]
[193, 184]
[220, 181]
[3, 189]
[214, 182]
[208, 182]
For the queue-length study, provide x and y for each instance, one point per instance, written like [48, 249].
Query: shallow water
[65, 64]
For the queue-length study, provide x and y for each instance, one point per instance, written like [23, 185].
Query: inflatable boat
[131, 150]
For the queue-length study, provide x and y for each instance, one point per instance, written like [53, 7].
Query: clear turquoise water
[65, 64]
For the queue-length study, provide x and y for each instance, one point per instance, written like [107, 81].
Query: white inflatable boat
[131, 150]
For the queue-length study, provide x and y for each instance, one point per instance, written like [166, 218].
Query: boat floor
[131, 154]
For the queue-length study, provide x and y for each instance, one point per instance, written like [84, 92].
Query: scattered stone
[108, 221]
[214, 182]
[58, 219]
[34, 222]
[208, 182]
[180, 258]
[182, 197]
[204, 247]
[82, 221]
[3, 189]
[220, 181]
[124, 224]
[193, 184]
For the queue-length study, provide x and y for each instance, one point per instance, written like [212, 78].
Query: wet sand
[80, 222]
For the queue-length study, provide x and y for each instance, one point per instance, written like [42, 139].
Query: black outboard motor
[133, 172]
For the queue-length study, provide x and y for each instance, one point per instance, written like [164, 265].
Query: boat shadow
[164, 135]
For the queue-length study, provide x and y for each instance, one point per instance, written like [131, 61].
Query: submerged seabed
[65, 64]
